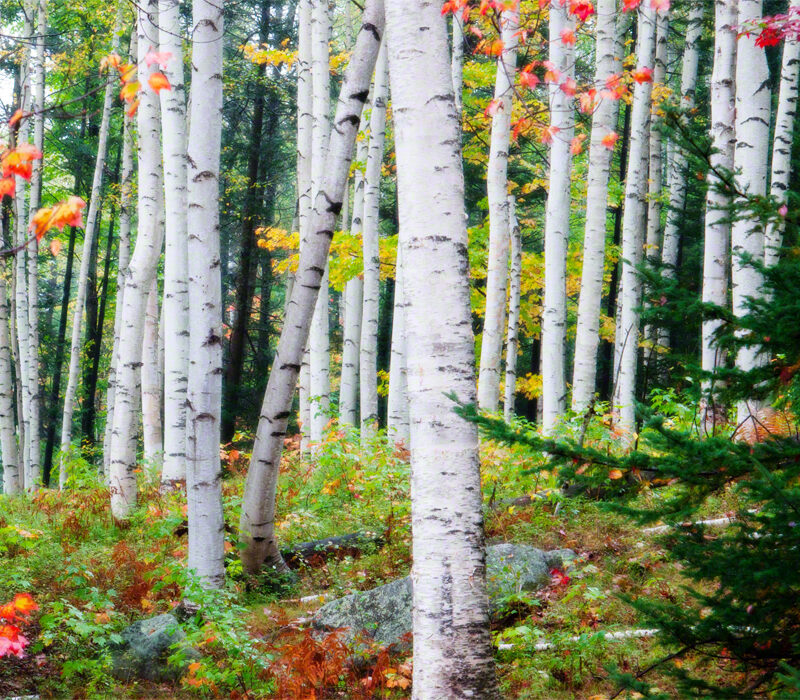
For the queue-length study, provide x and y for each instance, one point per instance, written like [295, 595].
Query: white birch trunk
[257, 523]
[12, 478]
[497, 190]
[203, 469]
[716, 250]
[452, 648]
[176, 294]
[141, 270]
[556, 230]
[90, 231]
[655, 174]
[368, 359]
[782, 143]
[397, 417]
[152, 385]
[319, 342]
[587, 335]
[515, 287]
[633, 228]
[751, 151]
[305, 125]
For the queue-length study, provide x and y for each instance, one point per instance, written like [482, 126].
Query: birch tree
[457, 60]
[152, 383]
[453, 656]
[12, 478]
[176, 295]
[397, 417]
[257, 523]
[497, 190]
[587, 335]
[204, 392]
[717, 230]
[368, 360]
[655, 174]
[515, 287]
[633, 225]
[556, 227]
[139, 277]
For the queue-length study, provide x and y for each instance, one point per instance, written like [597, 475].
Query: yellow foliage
[530, 386]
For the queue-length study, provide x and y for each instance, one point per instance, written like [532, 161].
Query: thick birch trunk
[138, 279]
[750, 163]
[203, 469]
[452, 648]
[90, 231]
[556, 230]
[716, 251]
[368, 359]
[152, 384]
[176, 294]
[497, 190]
[319, 343]
[633, 227]
[257, 522]
[587, 336]
[782, 143]
[515, 287]
[397, 418]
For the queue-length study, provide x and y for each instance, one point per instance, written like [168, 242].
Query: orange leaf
[19, 114]
[615, 474]
[130, 91]
[132, 109]
[158, 82]
[111, 61]
[55, 247]
[8, 187]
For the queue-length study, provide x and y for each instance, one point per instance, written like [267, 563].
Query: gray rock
[383, 614]
[145, 648]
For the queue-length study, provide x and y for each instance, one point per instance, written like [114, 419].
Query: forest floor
[92, 577]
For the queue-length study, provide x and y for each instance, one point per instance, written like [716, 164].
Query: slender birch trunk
[141, 270]
[655, 174]
[515, 287]
[305, 125]
[457, 60]
[257, 523]
[203, 469]
[397, 417]
[452, 649]
[90, 231]
[319, 343]
[354, 304]
[633, 227]
[716, 250]
[123, 260]
[152, 383]
[556, 230]
[782, 143]
[751, 151]
[368, 359]
[497, 190]
[12, 478]
[587, 336]
[176, 294]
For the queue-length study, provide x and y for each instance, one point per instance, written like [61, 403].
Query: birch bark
[457, 60]
[152, 383]
[204, 391]
[515, 288]
[257, 523]
[452, 648]
[497, 190]
[12, 481]
[397, 417]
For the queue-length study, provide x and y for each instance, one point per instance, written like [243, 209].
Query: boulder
[383, 614]
[146, 646]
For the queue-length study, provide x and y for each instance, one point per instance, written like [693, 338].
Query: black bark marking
[360, 96]
[369, 27]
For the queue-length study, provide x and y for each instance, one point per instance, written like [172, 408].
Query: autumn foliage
[12, 641]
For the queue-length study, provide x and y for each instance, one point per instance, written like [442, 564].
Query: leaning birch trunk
[152, 387]
[203, 469]
[368, 357]
[453, 655]
[753, 100]
[141, 270]
[556, 230]
[305, 125]
[257, 524]
[397, 418]
[90, 231]
[587, 335]
[633, 225]
[782, 143]
[319, 343]
[515, 287]
[718, 200]
[677, 168]
[457, 60]
[176, 294]
[497, 191]
[123, 260]
[354, 304]
[12, 483]
[33, 478]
